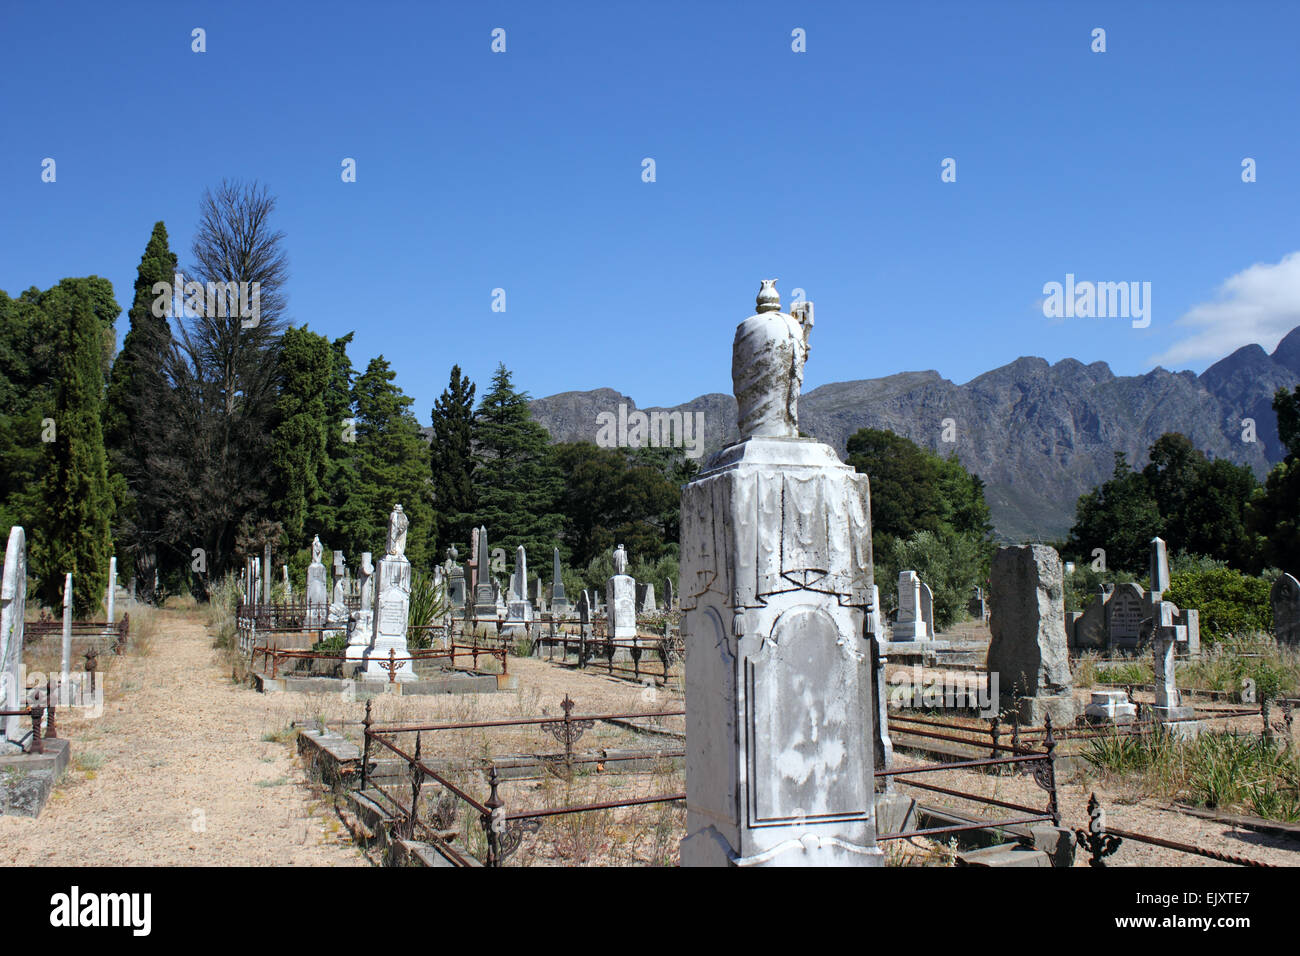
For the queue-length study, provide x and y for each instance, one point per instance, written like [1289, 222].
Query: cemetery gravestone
[110, 599]
[910, 625]
[392, 606]
[316, 586]
[485, 601]
[1124, 614]
[927, 610]
[1028, 651]
[1285, 598]
[13, 608]
[775, 579]
[362, 622]
[620, 599]
[559, 602]
[455, 579]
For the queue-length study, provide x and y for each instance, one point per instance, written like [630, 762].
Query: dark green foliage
[1275, 515]
[517, 480]
[451, 458]
[612, 496]
[928, 514]
[390, 468]
[1120, 517]
[298, 459]
[1231, 603]
[73, 530]
[135, 416]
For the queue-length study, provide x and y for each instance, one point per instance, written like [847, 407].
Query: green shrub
[948, 562]
[1231, 603]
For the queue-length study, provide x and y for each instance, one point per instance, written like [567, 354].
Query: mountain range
[1038, 434]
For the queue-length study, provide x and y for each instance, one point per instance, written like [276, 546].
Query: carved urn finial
[767, 361]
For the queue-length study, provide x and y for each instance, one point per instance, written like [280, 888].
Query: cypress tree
[298, 440]
[135, 413]
[390, 463]
[517, 480]
[451, 459]
[74, 532]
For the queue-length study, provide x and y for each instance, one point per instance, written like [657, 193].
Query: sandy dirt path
[176, 772]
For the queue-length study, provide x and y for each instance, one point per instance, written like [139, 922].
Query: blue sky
[523, 171]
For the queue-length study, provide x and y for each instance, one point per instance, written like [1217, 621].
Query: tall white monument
[392, 607]
[620, 599]
[317, 596]
[776, 581]
[13, 608]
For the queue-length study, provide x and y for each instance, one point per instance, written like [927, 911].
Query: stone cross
[1165, 634]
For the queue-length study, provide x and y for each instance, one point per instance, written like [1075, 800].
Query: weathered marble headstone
[288, 588]
[110, 598]
[976, 607]
[485, 600]
[392, 605]
[670, 599]
[361, 628]
[775, 579]
[559, 602]
[584, 608]
[65, 665]
[927, 610]
[910, 625]
[13, 608]
[266, 573]
[317, 595]
[620, 599]
[538, 598]
[519, 611]
[645, 598]
[1285, 598]
[1028, 651]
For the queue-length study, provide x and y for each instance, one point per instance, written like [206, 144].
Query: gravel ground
[176, 772]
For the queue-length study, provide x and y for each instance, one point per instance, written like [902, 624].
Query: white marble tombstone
[518, 611]
[645, 598]
[317, 594]
[288, 588]
[110, 598]
[910, 625]
[65, 665]
[620, 599]
[266, 573]
[392, 605]
[927, 610]
[362, 621]
[485, 603]
[13, 608]
[775, 581]
[559, 601]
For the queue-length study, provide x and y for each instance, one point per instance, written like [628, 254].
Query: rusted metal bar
[990, 825]
[961, 764]
[584, 808]
[521, 722]
[970, 796]
[1187, 848]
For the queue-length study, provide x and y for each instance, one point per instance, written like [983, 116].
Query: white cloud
[1259, 304]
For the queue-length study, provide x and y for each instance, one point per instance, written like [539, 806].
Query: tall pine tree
[518, 482]
[77, 507]
[391, 466]
[135, 417]
[451, 452]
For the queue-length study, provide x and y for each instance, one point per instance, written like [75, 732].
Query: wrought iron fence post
[417, 781]
[1015, 732]
[1265, 712]
[1053, 807]
[568, 736]
[494, 818]
[38, 746]
[51, 732]
[1095, 839]
[994, 732]
[365, 755]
